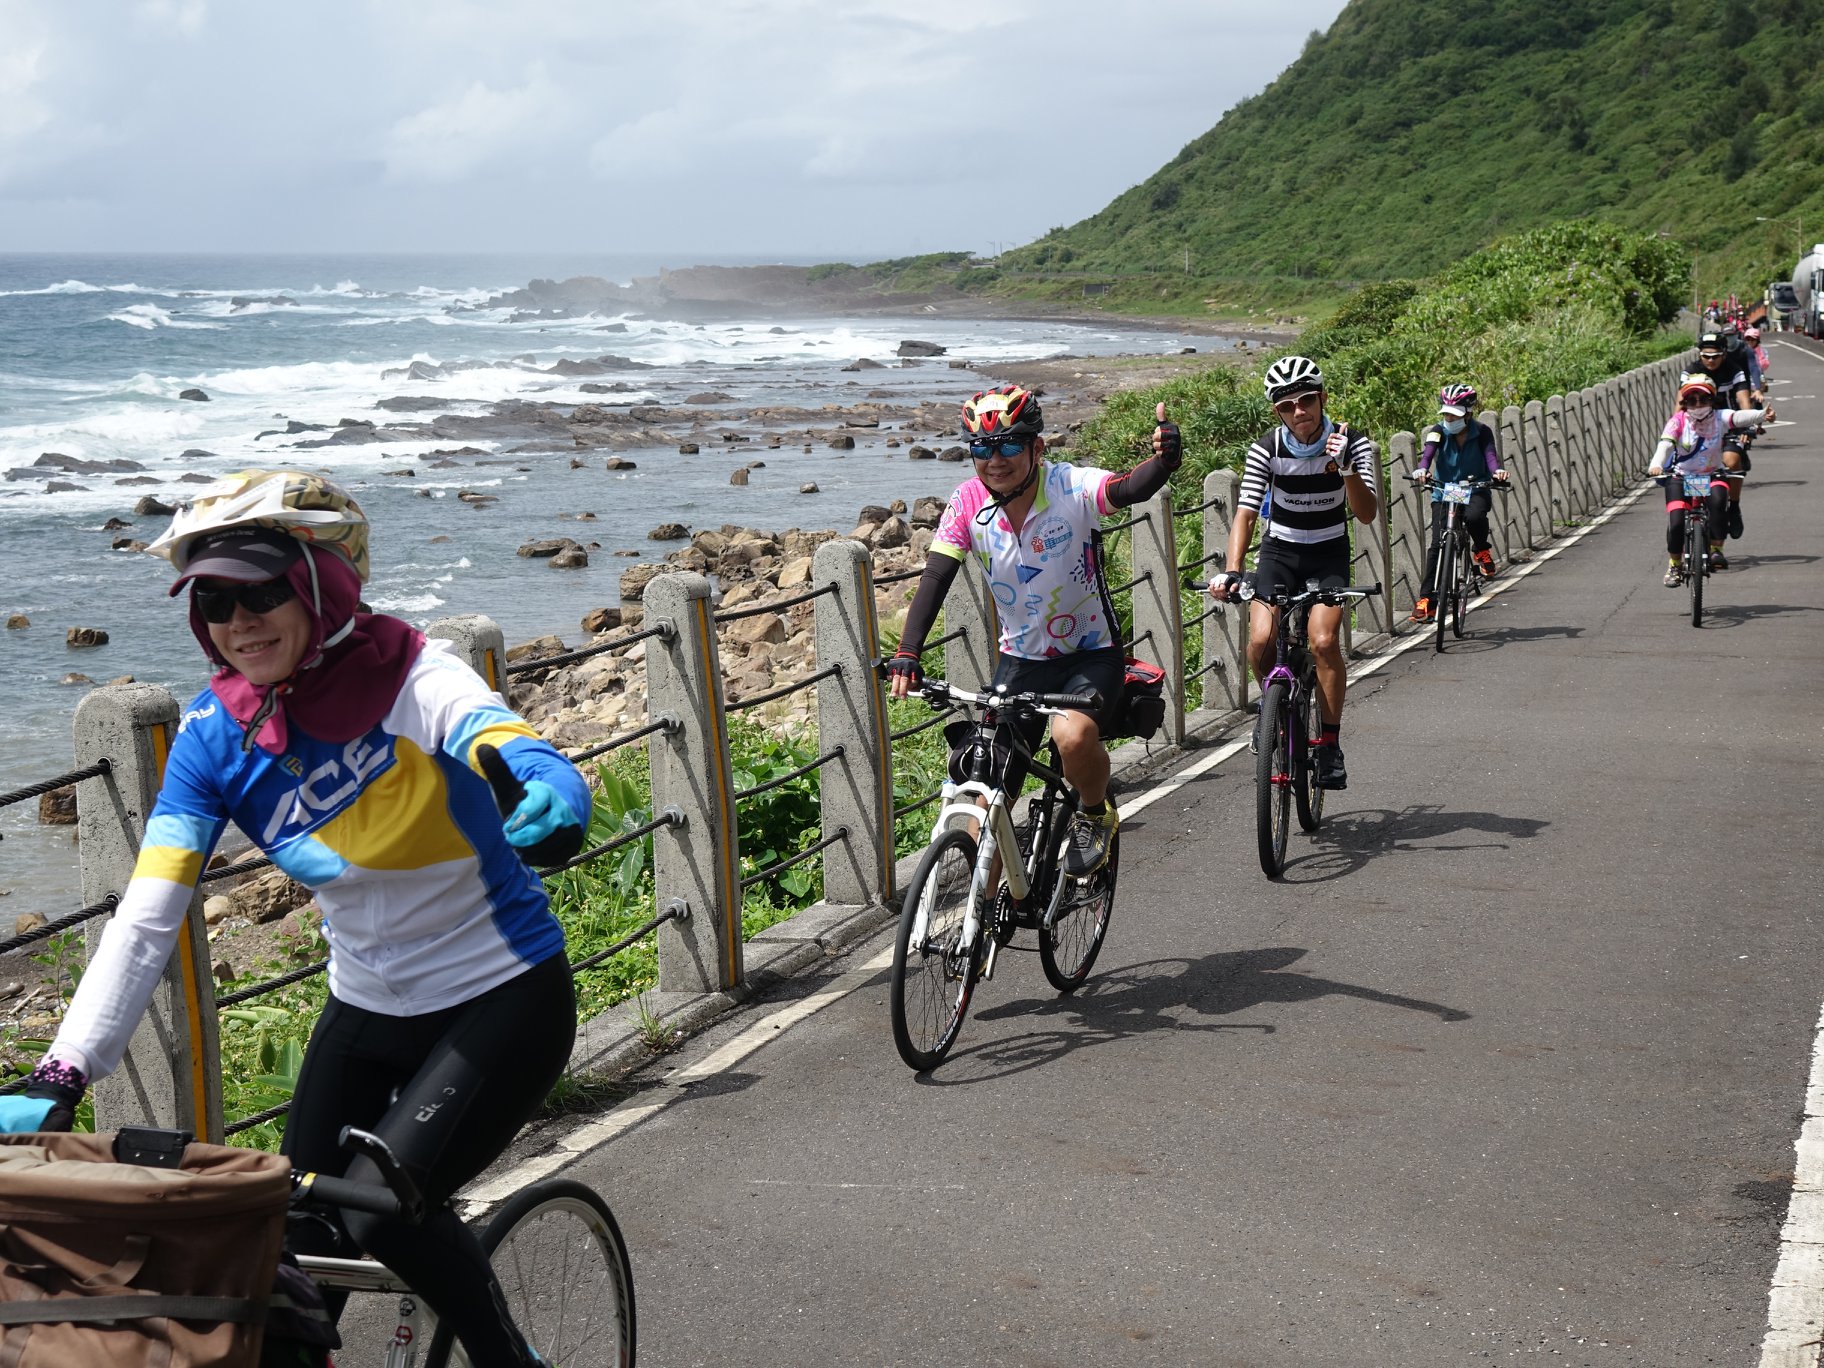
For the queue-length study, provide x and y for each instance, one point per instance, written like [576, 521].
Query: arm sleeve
[186, 822]
[933, 588]
[1661, 450]
[1429, 452]
[1255, 474]
[1137, 485]
[1365, 461]
[1494, 455]
[1741, 418]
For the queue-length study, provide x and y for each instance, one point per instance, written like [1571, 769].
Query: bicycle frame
[410, 1337]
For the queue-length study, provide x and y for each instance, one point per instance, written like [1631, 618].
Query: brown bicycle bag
[165, 1261]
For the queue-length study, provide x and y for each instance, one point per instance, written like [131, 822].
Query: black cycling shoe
[1735, 520]
[1328, 762]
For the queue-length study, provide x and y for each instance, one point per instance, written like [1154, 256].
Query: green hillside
[1416, 131]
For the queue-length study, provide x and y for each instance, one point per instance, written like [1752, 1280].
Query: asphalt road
[1510, 1063]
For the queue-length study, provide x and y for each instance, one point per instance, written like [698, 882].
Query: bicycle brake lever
[380, 1154]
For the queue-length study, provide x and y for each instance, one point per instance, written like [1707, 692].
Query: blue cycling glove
[543, 828]
[48, 1102]
[23, 1115]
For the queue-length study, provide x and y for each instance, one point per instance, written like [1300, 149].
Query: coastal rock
[738, 477]
[710, 543]
[193, 477]
[126, 544]
[115, 525]
[248, 301]
[920, 453]
[549, 547]
[927, 511]
[897, 506]
[412, 403]
[795, 572]
[861, 422]
[687, 448]
[710, 397]
[572, 557]
[85, 636]
[149, 506]
[58, 807]
[267, 897]
[768, 627]
[670, 531]
[71, 465]
[64, 487]
[74, 678]
[16, 621]
[619, 463]
[599, 620]
[809, 487]
[137, 480]
[842, 442]
[548, 645]
[891, 533]
[916, 348]
[871, 514]
[634, 580]
[474, 499]
[864, 364]
[194, 395]
[955, 453]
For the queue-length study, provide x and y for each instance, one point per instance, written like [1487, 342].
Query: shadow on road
[1749, 561]
[1348, 840]
[1735, 614]
[1154, 996]
[1482, 639]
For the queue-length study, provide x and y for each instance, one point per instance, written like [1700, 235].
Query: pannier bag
[1142, 710]
[159, 1259]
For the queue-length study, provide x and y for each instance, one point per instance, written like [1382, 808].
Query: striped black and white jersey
[1308, 504]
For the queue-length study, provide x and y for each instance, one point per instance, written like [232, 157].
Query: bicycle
[1694, 568]
[1290, 715]
[951, 930]
[554, 1246]
[1455, 577]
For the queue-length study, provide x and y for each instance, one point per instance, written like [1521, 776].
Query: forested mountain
[1415, 131]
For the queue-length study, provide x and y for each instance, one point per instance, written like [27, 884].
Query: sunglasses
[217, 605]
[1299, 403]
[1696, 401]
[1005, 446]
[1709, 358]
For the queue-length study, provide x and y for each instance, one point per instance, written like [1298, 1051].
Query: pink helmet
[1752, 334]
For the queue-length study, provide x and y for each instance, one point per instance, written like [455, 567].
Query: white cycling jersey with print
[1047, 582]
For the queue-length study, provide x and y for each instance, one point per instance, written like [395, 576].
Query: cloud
[186, 16]
[469, 131]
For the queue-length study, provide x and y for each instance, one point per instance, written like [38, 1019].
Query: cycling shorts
[1102, 671]
[1287, 567]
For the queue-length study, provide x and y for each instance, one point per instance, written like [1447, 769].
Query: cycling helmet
[1752, 334]
[1005, 412]
[316, 511]
[1454, 401]
[1696, 383]
[1712, 341]
[1291, 375]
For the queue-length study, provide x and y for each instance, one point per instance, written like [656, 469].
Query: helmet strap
[998, 502]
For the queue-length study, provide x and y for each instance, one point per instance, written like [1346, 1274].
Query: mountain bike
[1694, 565]
[971, 892]
[1455, 577]
[554, 1246]
[1290, 715]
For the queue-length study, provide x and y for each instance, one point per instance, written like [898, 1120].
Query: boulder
[549, 547]
[619, 463]
[548, 645]
[474, 499]
[710, 397]
[599, 620]
[194, 395]
[194, 477]
[267, 897]
[897, 506]
[861, 422]
[64, 487]
[115, 525]
[864, 364]
[58, 807]
[927, 511]
[809, 487]
[150, 507]
[687, 448]
[842, 442]
[16, 621]
[764, 627]
[916, 348]
[570, 558]
[738, 476]
[916, 452]
[709, 543]
[872, 514]
[126, 544]
[955, 453]
[796, 571]
[891, 533]
[75, 678]
[27, 921]
[85, 636]
[634, 580]
[668, 532]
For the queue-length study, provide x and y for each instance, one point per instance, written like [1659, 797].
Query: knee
[1076, 734]
[1324, 639]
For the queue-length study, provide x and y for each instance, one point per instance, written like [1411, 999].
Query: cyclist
[1032, 524]
[1317, 473]
[1458, 447]
[1757, 387]
[344, 745]
[1695, 442]
[1728, 366]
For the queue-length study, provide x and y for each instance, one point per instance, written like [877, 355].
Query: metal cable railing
[257, 1119]
[924, 802]
[785, 690]
[63, 923]
[255, 990]
[1138, 579]
[899, 577]
[926, 725]
[1203, 617]
[1203, 507]
[52, 785]
[787, 778]
[669, 817]
[234, 870]
[774, 605]
[584, 652]
[664, 724]
[1217, 554]
[760, 876]
[676, 912]
[1131, 522]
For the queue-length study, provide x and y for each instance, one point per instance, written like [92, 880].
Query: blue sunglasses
[1004, 446]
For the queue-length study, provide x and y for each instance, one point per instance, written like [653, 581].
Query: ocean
[96, 349]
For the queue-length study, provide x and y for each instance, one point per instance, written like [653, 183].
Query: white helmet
[315, 510]
[1291, 375]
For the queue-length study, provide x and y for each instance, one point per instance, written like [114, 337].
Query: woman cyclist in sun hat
[1696, 440]
[348, 747]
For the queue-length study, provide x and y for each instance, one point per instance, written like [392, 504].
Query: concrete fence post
[696, 862]
[171, 1075]
[856, 788]
[1597, 473]
[1223, 665]
[969, 661]
[1409, 527]
[478, 641]
[1156, 615]
[1539, 461]
[1577, 501]
[1608, 431]
[1373, 618]
[1530, 516]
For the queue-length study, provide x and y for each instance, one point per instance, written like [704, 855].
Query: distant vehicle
[1808, 285]
[1783, 305]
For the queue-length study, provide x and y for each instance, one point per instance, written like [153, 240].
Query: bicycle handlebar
[939, 691]
[1331, 597]
[400, 1197]
[1505, 486]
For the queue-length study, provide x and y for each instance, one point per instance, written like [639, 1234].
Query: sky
[803, 129]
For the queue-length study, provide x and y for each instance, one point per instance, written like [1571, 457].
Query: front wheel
[934, 975]
[1273, 780]
[1310, 797]
[1071, 938]
[1443, 590]
[564, 1272]
[1467, 581]
[1697, 557]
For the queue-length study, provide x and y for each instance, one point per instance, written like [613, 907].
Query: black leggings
[447, 1091]
[1716, 508]
[1474, 517]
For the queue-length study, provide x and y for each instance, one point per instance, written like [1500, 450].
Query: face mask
[1699, 412]
[1453, 426]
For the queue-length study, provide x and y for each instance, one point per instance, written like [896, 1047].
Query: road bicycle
[554, 1246]
[1455, 576]
[1290, 715]
[971, 892]
[1694, 563]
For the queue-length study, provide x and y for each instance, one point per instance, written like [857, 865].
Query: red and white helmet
[1005, 412]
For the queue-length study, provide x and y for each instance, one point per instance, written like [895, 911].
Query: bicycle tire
[1443, 588]
[930, 985]
[1272, 785]
[1468, 581]
[1309, 797]
[1068, 949]
[544, 1245]
[1697, 558]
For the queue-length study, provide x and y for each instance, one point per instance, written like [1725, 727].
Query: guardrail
[1567, 457]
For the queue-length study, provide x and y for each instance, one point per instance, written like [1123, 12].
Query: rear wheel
[563, 1269]
[1441, 589]
[1273, 780]
[933, 977]
[1069, 945]
[1697, 561]
[1310, 798]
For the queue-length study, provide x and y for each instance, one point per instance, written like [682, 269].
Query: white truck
[1808, 286]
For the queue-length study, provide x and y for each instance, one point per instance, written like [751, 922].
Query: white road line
[1795, 1306]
